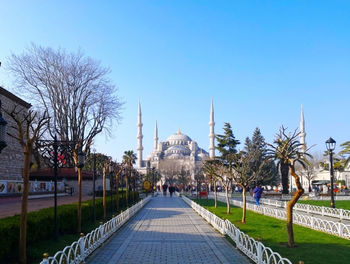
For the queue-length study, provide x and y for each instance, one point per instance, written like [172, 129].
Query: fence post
[45, 258]
[259, 251]
[82, 246]
[341, 213]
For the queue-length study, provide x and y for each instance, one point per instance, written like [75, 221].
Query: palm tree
[287, 150]
[129, 159]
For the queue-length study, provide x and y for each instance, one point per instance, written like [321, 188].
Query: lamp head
[330, 144]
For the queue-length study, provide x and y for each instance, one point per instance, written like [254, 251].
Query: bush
[40, 224]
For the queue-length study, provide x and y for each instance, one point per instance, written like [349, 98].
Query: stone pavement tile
[167, 231]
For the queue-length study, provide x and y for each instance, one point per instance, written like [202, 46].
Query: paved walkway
[10, 206]
[167, 231]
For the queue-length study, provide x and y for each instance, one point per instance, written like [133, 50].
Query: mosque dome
[178, 149]
[178, 139]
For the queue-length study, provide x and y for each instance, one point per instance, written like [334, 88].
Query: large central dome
[178, 139]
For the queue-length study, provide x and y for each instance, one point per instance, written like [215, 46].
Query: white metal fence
[255, 250]
[330, 227]
[79, 250]
[340, 214]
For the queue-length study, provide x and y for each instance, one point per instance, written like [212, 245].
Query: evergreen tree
[226, 143]
[257, 145]
[227, 147]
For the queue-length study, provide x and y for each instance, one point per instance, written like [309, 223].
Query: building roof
[14, 98]
[173, 139]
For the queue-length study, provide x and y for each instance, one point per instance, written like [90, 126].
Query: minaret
[156, 137]
[139, 138]
[211, 132]
[302, 132]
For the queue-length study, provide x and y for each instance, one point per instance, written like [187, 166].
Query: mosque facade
[178, 152]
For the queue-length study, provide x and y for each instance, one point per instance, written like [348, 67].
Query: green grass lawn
[313, 247]
[338, 204]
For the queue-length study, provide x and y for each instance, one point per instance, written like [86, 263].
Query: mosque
[177, 152]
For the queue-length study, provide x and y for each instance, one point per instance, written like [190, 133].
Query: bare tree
[74, 90]
[29, 126]
[170, 169]
[247, 169]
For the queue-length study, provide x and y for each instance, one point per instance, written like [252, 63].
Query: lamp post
[94, 187]
[50, 150]
[81, 163]
[330, 145]
[3, 125]
[110, 184]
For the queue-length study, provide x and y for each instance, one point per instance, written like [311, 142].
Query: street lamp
[330, 145]
[81, 159]
[50, 150]
[94, 187]
[3, 125]
[110, 184]
[81, 162]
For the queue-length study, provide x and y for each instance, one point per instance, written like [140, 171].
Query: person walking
[165, 188]
[257, 194]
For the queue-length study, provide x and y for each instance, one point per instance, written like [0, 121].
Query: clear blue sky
[259, 60]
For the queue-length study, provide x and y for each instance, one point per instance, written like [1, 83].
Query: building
[177, 153]
[11, 156]
[317, 175]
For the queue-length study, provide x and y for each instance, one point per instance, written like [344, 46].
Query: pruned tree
[74, 90]
[117, 169]
[129, 158]
[286, 148]
[170, 168]
[29, 126]
[183, 178]
[247, 169]
[210, 169]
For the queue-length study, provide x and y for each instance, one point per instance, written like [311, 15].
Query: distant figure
[257, 194]
[171, 190]
[165, 188]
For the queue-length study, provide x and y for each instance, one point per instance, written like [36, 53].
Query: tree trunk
[127, 188]
[227, 201]
[24, 206]
[104, 194]
[117, 190]
[284, 175]
[290, 206]
[215, 196]
[310, 190]
[244, 196]
[79, 199]
[133, 187]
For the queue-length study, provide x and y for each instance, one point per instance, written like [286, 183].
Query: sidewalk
[10, 206]
[167, 231]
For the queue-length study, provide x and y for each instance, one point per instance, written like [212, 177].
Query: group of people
[165, 187]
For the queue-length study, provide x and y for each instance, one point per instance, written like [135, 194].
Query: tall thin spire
[139, 137]
[211, 132]
[302, 131]
[155, 136]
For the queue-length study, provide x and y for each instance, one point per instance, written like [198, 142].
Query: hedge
[40, 224]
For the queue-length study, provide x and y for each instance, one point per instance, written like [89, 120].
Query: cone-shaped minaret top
[211, 132]
[139, 137]
[155, 137]
[302, 131]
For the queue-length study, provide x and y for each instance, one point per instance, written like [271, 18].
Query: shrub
[40, 224]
